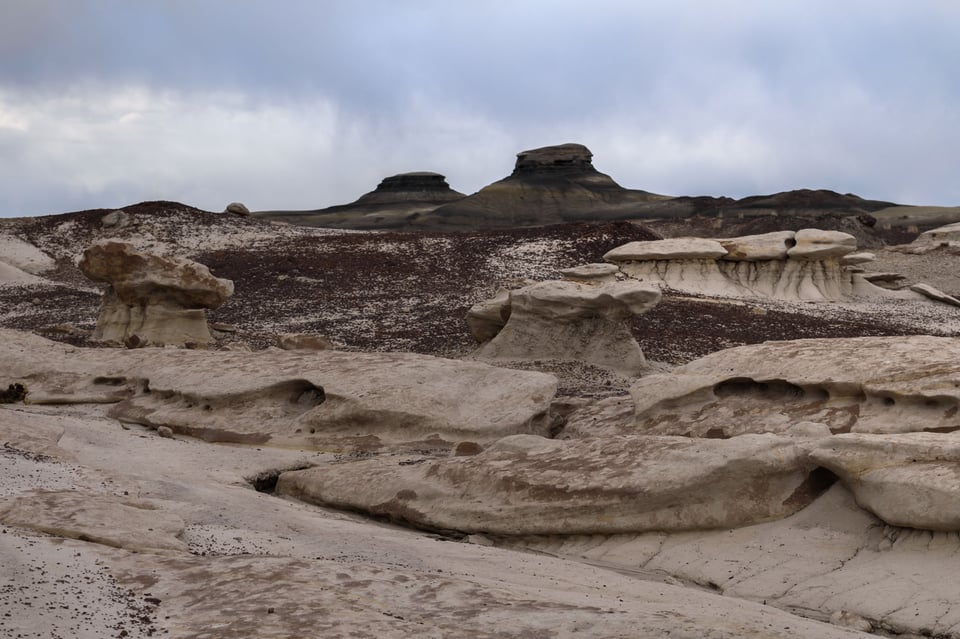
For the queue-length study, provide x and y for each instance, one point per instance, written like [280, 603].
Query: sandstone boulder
[530, 485]
[853, 259]
[237, 208]
[910, 480]
[591, 273]
[816, 244]
[864, 385]
[569, 321]
[687, 248]
[935, 294]
[486, 318]
[754, 248]
[159, 299]
[303, 341]
[100, 518]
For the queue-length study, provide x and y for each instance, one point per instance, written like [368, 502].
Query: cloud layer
[304, 104]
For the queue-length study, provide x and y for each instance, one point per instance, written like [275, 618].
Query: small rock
[115, 219]
[165, 432]
[302, 341]
[237, 208]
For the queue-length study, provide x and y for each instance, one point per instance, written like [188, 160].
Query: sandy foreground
[215, 558]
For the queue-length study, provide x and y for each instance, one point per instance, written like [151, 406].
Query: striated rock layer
[530, 485]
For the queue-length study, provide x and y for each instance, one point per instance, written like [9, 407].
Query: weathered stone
[865, 384]
[816, 244]
[569, 321]
[935, 294]
[115, 219]
[910, 480]
[754, 248]
[103, 519]
[854, 259]
[591, 273]
[688, 248]
[486, 318]
[307, 399]
[302, 341]
[530, 485]
[237, 208]
[160, 299]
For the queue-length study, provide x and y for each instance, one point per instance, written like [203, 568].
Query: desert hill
[559, 184]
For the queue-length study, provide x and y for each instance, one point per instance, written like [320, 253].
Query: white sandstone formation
[591, 273]
[565, 320]
[310, 399]
[529, 485]
[941, 237]
[860, 385]
[935, 294]
[802, 265]
[152, 299]
[910, 479]
[22, 256]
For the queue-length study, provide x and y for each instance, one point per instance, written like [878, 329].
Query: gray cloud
[305, 104]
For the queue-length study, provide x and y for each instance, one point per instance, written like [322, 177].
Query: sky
[302, 104]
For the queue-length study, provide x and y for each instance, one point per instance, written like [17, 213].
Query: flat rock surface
[259, 566]
[531, 485]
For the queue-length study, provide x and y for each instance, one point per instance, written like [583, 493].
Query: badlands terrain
[225, 425]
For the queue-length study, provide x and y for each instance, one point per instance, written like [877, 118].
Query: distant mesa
[559, 184]
[549, 185]
[397, 201]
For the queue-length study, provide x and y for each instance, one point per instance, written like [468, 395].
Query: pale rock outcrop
[854, 259]
[566, 320]
[22, 256]
[910, 480]
[861, 385]
[100, 518]
[802, 265]
[115, 219]
[756, 248]
[684, 248]
[941, 237]
[159, 299]
[527, 485]
[591, 273]
[935, 294]
[328, 400]
[816, 244]
[303, 341]
[486, 318]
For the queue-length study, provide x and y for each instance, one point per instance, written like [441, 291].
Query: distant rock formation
[397, 202]
[152, 299]
[549, 185]
[564, 320]
[803, 265]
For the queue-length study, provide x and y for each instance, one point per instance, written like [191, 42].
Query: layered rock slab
[160, 300]
[530, 485]
[565, 320]
[287, 398]
[866, 384]
[910, 480]
[801, 265]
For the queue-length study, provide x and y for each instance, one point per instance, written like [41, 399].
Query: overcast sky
[302, 104]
